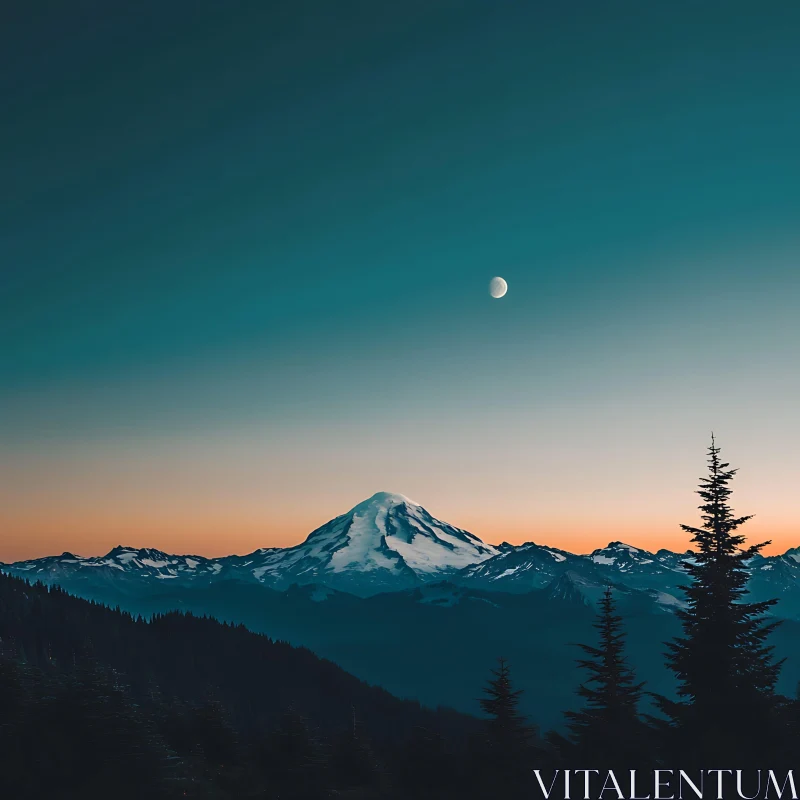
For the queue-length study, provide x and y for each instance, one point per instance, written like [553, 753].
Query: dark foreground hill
[97, 703]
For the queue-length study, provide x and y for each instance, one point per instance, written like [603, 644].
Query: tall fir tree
[725, 670]
[608, 728]
[509, 739]
[508, 728]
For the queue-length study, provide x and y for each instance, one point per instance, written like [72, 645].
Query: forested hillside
[95, 703]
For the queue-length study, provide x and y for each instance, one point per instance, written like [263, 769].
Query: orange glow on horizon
[34, 535]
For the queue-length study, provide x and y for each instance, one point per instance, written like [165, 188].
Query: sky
[245, 250]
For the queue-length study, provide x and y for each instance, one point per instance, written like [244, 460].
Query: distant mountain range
[422, 608]
[386, 543]
[389, 543]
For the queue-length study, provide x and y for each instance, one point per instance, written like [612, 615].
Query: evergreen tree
[725, 670]
[608, 728]
[78, 736]
[508, 728]
[509, 738]
[95, 701]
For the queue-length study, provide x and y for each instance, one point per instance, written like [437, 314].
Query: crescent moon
[497, 287]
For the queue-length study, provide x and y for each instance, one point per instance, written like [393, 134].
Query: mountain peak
[386, 541]
[120, 548]
[130, 552]
[388, 499]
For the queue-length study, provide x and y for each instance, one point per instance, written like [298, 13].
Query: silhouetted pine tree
[508, 728]
[608, 729]
[725, 670]
[509, 738]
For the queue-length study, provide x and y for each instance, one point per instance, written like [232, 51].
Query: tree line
[96, 703]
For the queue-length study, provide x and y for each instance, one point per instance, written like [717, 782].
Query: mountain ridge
[388, 542]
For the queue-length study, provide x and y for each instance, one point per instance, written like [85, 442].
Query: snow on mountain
[661, 575]
[641, 568]
[390, 543]
[520, 569]
[386, 542]
[627, 558]
[532, 566]
[119, 563]
[793, 554]
[777, 577]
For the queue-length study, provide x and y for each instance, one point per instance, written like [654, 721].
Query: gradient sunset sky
[245, 250]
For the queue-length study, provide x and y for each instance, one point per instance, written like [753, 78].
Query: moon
[497, 287]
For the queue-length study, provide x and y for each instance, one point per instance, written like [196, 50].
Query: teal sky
[245, 250]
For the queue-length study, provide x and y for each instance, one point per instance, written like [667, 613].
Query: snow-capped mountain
[388, 542]
[627, 558]
[641, 569]
[521, 569]
[385, 543]
[532, 566]
[121, 566]
[777, 577]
